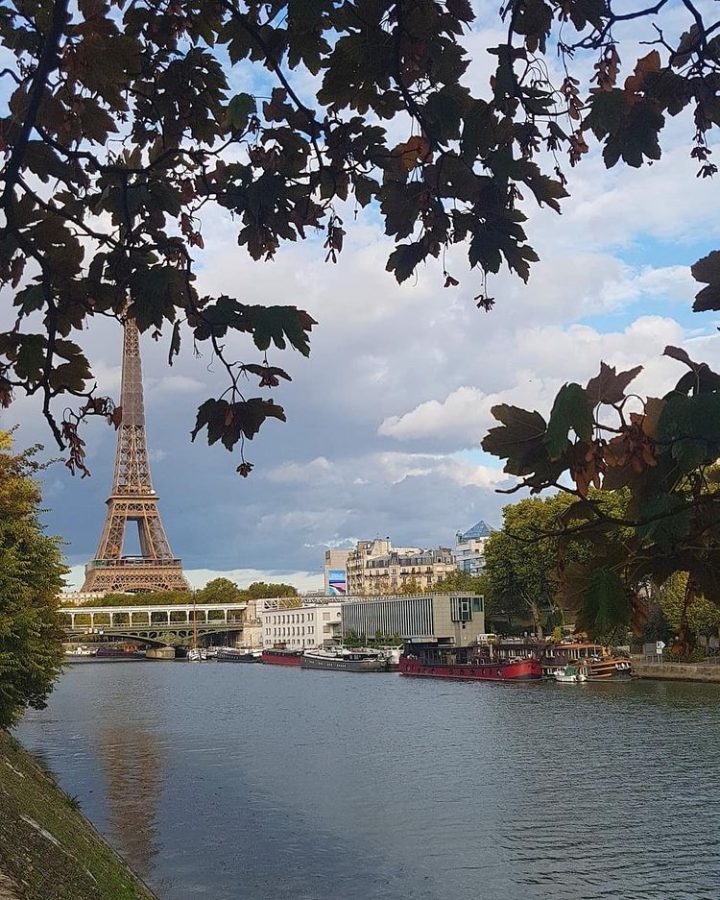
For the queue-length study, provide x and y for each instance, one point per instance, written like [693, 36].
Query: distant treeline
[220, 590]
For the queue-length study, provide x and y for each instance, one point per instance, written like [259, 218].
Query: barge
[276, 657]
[466, 664]
[342, 659]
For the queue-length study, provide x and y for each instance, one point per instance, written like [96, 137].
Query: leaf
[606, 603]
[404, 259]
[707, 271]
[229, 422]
[268, 375]
[519, 439]
[239, 110]
[609, 386]
[666, 520]
[174, 343]
[572, 409]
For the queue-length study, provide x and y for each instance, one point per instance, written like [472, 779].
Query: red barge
[465, 663]
[277, 657]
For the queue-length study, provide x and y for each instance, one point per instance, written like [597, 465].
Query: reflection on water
[131, 765]
[258, 782]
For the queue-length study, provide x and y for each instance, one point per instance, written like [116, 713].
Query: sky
[385, 418]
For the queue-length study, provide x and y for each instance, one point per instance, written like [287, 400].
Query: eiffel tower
[133, 500]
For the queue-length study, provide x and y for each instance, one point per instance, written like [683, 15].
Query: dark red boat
[282, 657]
[464, 663]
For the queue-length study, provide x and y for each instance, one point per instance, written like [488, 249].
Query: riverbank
[677, 671]
[48, 850]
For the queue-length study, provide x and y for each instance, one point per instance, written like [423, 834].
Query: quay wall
[48, 849]
[677, 671]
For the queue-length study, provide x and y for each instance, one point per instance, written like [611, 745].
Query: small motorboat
[569, 675]
[197, 654]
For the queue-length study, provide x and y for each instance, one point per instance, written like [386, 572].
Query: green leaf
[572, 409]
[606, 604]
[238, 111]
[30, 356]
[519, 439]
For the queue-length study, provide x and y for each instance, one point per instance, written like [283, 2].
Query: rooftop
[479, 530]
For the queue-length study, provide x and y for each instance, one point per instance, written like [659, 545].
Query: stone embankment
[48, 850]
[677, 671]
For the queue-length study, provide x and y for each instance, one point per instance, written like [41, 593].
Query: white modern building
[301, 627]
[448, 619]
[470, 548]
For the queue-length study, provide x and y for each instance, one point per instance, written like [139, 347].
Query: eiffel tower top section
[132, 466]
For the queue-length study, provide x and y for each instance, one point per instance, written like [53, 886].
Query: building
[336, 578]
[376, 567]
[421, 569]
[448, 619]
[357, 559]
[300, 627]
[470, 548]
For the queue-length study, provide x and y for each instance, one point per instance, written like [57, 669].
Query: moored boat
[237, 655]
[570, 675]
[343, 659]
[278, 657]
[593, 661]
[466, 664]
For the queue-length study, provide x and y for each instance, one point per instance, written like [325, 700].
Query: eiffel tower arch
[133, 499]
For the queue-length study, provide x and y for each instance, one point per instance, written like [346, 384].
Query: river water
[249, 781]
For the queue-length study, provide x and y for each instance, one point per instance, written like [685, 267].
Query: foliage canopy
[31, 576]
[124, 130]
[660, 452]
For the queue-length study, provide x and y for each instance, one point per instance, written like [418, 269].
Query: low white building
[301, 627]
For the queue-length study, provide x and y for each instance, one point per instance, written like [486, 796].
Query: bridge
[172, 625]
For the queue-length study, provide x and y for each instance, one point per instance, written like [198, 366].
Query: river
[250, 781]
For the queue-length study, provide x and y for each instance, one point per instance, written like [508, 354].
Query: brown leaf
[412, 153]
[609, 386]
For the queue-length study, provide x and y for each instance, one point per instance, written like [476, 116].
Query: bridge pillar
[225, 619]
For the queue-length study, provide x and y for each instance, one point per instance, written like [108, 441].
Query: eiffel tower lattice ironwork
[133, 499]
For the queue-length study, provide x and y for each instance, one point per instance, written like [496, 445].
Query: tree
[661, 453]
[261, 590]
[220, 590]
[461, 581]
[703, 617]
[31, 577]
[122, 132]
[520, 566]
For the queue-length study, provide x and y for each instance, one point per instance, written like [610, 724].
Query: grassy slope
[46, 845]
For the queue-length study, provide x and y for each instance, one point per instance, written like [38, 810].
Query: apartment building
[336, 577]
[470, 548]
[376, 567]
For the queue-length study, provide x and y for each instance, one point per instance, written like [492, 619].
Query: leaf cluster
[659, 454]
[123, 130]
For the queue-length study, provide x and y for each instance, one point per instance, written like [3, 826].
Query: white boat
[81, 651]
[569, 675]
[197, 654]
